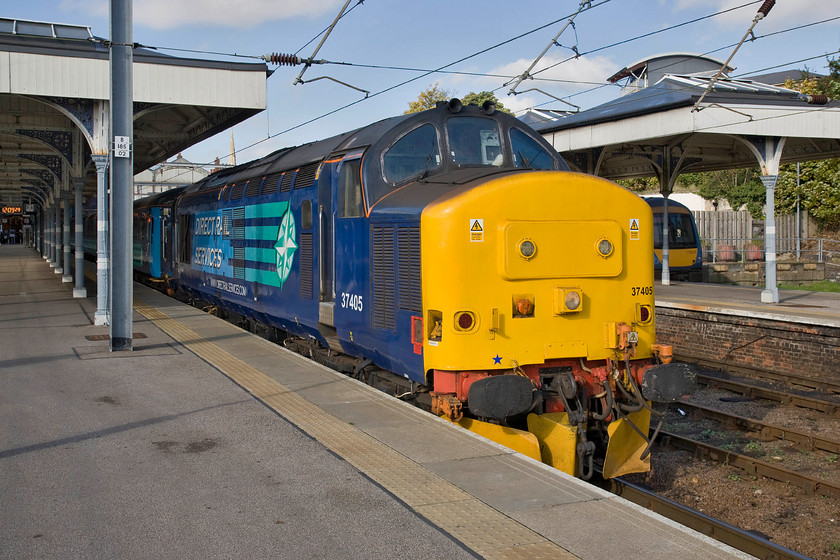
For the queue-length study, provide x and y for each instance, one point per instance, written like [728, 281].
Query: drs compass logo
[285, 246]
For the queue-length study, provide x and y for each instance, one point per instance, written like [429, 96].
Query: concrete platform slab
[208, 452]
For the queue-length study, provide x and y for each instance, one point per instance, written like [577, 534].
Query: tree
[428, 98]
[819, 181]
[738, 187]
[818, 192]
[482, 96]
[640, 185]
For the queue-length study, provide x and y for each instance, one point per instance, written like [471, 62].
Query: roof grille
[306, 176]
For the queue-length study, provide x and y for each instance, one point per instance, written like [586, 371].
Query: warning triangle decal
[475, 227]
[634, 225]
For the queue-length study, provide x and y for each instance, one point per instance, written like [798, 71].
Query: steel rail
[766, 432]
[750, 465]
[700, 522]
[789, 379]
[826, 407]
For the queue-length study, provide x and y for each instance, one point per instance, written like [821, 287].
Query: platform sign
[122, 146]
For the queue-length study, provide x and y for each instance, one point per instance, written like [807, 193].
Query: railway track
[762, 430]
[811, 451]
[714, 528]
[799, 382]
[828, 407]
[750, 465]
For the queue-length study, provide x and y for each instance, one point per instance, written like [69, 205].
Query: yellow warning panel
[477, 230]
[634, 229]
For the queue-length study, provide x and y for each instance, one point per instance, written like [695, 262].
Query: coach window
[528, 153]
[350, 189]
[185, 230]
[413, 155]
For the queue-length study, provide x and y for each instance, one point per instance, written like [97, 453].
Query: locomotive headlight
[527, 249]
[567, 300]
[604, 247]
[572, 300]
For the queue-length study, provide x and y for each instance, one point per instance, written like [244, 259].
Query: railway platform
[795, 306]
[728, 327]
[208, 442]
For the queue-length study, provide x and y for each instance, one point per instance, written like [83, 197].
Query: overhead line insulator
[283, 59]
[766, 7]
[817, 99]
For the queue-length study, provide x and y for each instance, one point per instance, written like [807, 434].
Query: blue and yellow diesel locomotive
[685, 254]
[454, 249]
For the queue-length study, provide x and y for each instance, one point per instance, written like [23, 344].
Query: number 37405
[351, 301]
[641, 290]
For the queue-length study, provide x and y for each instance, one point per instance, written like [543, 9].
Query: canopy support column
[79, 290]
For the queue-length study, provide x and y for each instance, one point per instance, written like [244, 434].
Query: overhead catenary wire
[649, 34]
[725, 47]
[315, 38]
[622, 101]
[584, 5]
[794, 112]
[443, 68]
[761, 14]
[299, 79]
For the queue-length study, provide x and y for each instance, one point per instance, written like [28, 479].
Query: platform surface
[209, 442]
[798, 306]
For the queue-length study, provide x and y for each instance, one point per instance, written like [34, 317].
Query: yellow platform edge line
[469, 525]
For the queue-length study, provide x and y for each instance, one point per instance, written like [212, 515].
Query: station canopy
[739, 123]
[54, 108]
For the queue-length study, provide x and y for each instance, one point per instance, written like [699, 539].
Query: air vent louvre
[408, 269]
[383, 278]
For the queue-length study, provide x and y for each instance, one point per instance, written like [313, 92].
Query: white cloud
[573, 75]
[785, 13]
[172, 14]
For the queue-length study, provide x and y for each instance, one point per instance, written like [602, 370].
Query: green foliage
[819, 190]
[739, 187]
[428, 98]
[828, 85]
[640, 184]
[482, 96]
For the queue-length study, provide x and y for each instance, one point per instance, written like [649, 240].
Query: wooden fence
[728, 228]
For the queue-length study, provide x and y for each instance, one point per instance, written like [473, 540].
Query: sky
[481, 45]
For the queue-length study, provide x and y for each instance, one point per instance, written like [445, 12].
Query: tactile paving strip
[478, 526]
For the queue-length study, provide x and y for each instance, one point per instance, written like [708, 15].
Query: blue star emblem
[285, 246]
[497, 360]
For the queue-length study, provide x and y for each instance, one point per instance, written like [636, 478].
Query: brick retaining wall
[807, 350]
